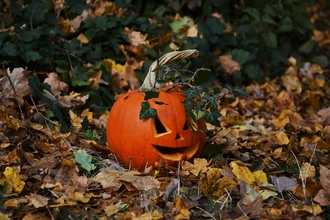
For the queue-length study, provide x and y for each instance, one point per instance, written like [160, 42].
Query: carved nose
[179, 137]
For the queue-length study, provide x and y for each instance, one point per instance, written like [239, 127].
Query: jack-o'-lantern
[170, 135]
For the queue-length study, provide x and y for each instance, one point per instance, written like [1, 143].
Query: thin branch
[47, 119]
[16, 96]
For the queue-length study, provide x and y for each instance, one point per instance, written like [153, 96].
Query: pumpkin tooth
[175, 154]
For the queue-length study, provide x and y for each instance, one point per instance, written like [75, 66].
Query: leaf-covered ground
[269, 159]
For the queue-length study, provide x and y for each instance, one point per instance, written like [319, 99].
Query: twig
[206, 212]
[16, 96]
[47, 119]
[240, 208]
[304, 179]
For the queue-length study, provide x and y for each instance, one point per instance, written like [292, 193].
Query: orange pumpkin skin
[137, 142]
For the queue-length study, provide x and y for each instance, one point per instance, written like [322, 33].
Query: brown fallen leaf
[323, 196]
[213, 185]
[199, 165]
[57, 86]
[180, 210]
[144, 183]
[37, 200]
[108, 179]
[19, 80]
[229, 65]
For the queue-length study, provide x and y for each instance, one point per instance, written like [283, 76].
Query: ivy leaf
[190, 93]
[212, 116]
[236, 91]
[84, 159]
[198, 114]
[210, 98]
[146, 111]
[151, 94]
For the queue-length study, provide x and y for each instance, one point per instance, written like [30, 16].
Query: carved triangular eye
[186, 126]
[160, 128]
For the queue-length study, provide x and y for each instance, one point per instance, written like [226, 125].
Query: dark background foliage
[259, 35]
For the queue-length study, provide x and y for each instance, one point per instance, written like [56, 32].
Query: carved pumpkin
[169, 135]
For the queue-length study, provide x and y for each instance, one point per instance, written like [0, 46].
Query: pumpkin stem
[150, 82]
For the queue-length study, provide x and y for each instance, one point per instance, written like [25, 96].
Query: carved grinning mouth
[175, 154]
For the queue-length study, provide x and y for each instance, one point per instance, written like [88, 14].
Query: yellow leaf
[77, 196]
[82, 38]
[75, 121]
[242, 173]
[181, 208]
[12, 181]
[282, 138]
[282, 120]
[11, 204]
[211, 179]
[111, 210]
[113, 66]
[260, 176]
[307, 170]
[4, 217]
[313, 209]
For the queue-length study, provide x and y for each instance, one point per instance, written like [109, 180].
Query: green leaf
[84, 159]
[102, 140]
[270, 40]
[151, 94]
[178, 24]
[158, 13]
[9, 49]
[78, 82]
[211, 98]
[236, 91]
[253, 71]
[32, 56]
[268, 19]
[307, 46]
[146, 111]
[54, 105]
[198, 114]
[240, 56]
[212, 151]
[215, 26]
[190, 93]
[322, 60]
[212, 116]
[285, 25]
[271, 10]
[202, 77]
[254, 13]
